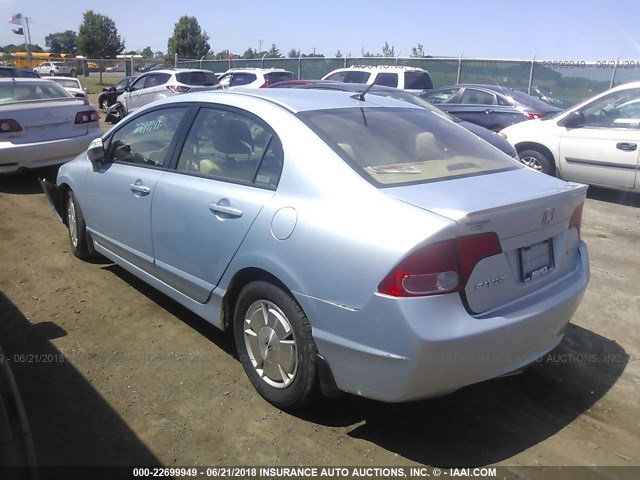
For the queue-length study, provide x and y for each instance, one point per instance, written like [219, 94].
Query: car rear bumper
[398, 350]
[43, 154]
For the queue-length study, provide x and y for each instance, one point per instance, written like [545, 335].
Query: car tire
[275, 345]
[52, 73]
[104, 104]
[74, 73]
[538, 161]
[77, 228]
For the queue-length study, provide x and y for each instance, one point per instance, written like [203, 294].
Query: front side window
[229, 145]
[139, 83]
[616, 110]
[399, 146]
[146, 139]
[387, 79]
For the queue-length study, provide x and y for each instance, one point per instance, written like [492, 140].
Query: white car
[595, 142]
[71, 85]
[42, 124]
[254, 77]
[415, 80]
[54, 68]
[160, 84]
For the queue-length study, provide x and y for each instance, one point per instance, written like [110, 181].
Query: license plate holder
[536, 260]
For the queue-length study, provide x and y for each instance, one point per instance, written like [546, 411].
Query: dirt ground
[114, 373]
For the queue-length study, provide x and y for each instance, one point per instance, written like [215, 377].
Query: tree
[98, 36]
[12, 48]
[293, 53]
[338, 54]
[158, 55]
[249, 54]
[188, 40]
[388, 51]
[147, 52]
[417, 52]
[274, 52]
[62, 42]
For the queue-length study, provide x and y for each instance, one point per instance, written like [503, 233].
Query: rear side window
[442, 96]
[357, 77]
[417, 81]
[274, 77]
[197, 78]
[402, 146]
[242, 79]
[387, 79]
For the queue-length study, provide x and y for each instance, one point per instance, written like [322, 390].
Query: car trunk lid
[46, 120]
[529, 212]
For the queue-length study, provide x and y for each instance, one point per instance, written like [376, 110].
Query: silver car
[41, 124]
[351, 243]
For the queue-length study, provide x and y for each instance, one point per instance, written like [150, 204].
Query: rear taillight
[441, 267]
[178, 88]
[576, 218]
[533, 115]
[87, 116]
[8, 125]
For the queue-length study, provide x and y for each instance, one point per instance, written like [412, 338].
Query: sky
[568, 30]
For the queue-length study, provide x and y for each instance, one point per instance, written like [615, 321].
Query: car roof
[383, 68]
[62, 78]
[294, 99]
[257, 69]
[177, 70]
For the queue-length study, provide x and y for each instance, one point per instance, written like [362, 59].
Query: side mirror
[96, 151]
[573, 120]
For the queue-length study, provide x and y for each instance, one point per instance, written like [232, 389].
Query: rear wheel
[276, 348]
[104, 104]
[538, 161]
[52, 73]
[77, 228]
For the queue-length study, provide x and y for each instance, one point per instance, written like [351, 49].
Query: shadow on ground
[27, 183]
[62, 407]
[630, 199]
[491, 421]
[478, 425]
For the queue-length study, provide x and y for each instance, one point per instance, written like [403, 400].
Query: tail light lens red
[87, 116]
[8, 125]
[576, 218]
[533, 115]
[178, 88]
[441, 267]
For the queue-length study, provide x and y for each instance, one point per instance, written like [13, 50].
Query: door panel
[120, 190]
[198, 225]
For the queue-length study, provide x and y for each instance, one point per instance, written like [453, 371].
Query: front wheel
[104, 104]
[538, 161]
[52, 73]
[276, 348]
[77, 228]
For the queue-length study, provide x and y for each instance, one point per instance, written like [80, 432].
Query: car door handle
[139, 188]
[627, 147]
[220, 207]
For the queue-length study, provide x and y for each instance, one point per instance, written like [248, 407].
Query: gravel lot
[114, 373]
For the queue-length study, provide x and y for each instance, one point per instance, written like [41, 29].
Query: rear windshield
[25, 91]
[402, 146]
[65, 82]
[274, 77]
[526, 99]
[197, 78]
[417, 81]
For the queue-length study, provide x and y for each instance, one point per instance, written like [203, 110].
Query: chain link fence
[563, 83]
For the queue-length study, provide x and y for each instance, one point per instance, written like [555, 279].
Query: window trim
[186, 119]
[175, 156]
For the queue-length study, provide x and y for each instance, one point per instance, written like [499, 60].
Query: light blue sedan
[350, 243]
